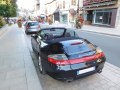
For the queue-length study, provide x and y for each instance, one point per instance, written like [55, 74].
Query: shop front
[105, 17]
[102, 13]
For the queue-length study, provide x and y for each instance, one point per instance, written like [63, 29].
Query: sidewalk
[102, 30]
[17, 71]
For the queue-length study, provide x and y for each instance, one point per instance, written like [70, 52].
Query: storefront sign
[89, 2]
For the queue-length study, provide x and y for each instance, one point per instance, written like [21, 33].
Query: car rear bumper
[73, 74]
[32, 31]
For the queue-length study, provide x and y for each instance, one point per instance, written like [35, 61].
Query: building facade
[68, 10]
[63, 11]
[101, 12]
[37, 8]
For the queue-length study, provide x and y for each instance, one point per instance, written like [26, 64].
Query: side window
[41, 34]
[70, 32]
[76, 35]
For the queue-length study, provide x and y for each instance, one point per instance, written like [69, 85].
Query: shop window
[103, 17]
[99, 17]
[64, 18]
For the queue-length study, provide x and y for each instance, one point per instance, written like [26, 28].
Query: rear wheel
[99, 71]
[41, 68]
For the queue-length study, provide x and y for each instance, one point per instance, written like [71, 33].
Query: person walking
[19, 22]
[79, 22]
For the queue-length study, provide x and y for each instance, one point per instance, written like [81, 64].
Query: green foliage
[8, 10]
[2, 21]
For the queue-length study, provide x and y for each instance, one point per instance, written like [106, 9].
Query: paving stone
[22, 86]
[15, 74]
[5, 88]
[2, 77]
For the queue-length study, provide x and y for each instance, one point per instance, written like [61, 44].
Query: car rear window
[76, 48]
[33, 23]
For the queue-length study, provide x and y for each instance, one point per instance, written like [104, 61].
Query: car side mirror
[38, 39]
[34, 35]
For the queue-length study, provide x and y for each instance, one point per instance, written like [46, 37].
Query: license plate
[33, 29]
[85, 70]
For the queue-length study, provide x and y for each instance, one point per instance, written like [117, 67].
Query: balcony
[90, 2]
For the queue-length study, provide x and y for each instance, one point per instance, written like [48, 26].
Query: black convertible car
[65, 56]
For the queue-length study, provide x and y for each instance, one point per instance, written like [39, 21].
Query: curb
[101, 33]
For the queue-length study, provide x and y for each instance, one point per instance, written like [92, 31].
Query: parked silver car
[31, 27]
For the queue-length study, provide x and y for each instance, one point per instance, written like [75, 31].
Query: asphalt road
[109, 44]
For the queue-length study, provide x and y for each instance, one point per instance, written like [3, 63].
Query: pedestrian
[19, 22]
[81, 20]
[77, 23]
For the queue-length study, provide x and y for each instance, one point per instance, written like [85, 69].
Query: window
[60, 6]
[51, 33]
[64, 18]
[73, 2]
[33, 23]
[77, 49]
[41, 34]
[103, 17]
[63, 4]
[71, 32]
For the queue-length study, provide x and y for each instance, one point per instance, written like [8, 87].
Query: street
[19, 66]
[56, 58]
[109, 44]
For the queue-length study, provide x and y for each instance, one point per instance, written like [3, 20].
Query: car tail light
[58, 59]
[61, 59]
[27, 26]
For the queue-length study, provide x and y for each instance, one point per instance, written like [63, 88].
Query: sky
[27, 4]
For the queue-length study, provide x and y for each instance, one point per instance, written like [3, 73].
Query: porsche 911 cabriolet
[63, 55]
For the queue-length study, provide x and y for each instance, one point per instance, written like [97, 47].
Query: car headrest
[67, 34]
[50, 36]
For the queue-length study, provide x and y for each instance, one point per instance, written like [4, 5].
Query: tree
[8, 10]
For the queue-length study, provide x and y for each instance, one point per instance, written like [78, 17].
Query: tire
[99, 71]
[40, 65]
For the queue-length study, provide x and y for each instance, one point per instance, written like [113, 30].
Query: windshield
[54, 31]
[33, 23]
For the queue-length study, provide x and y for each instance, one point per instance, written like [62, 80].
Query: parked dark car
[65, 56]
[31, 27]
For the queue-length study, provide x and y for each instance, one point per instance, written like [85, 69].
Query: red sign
[88, 2]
